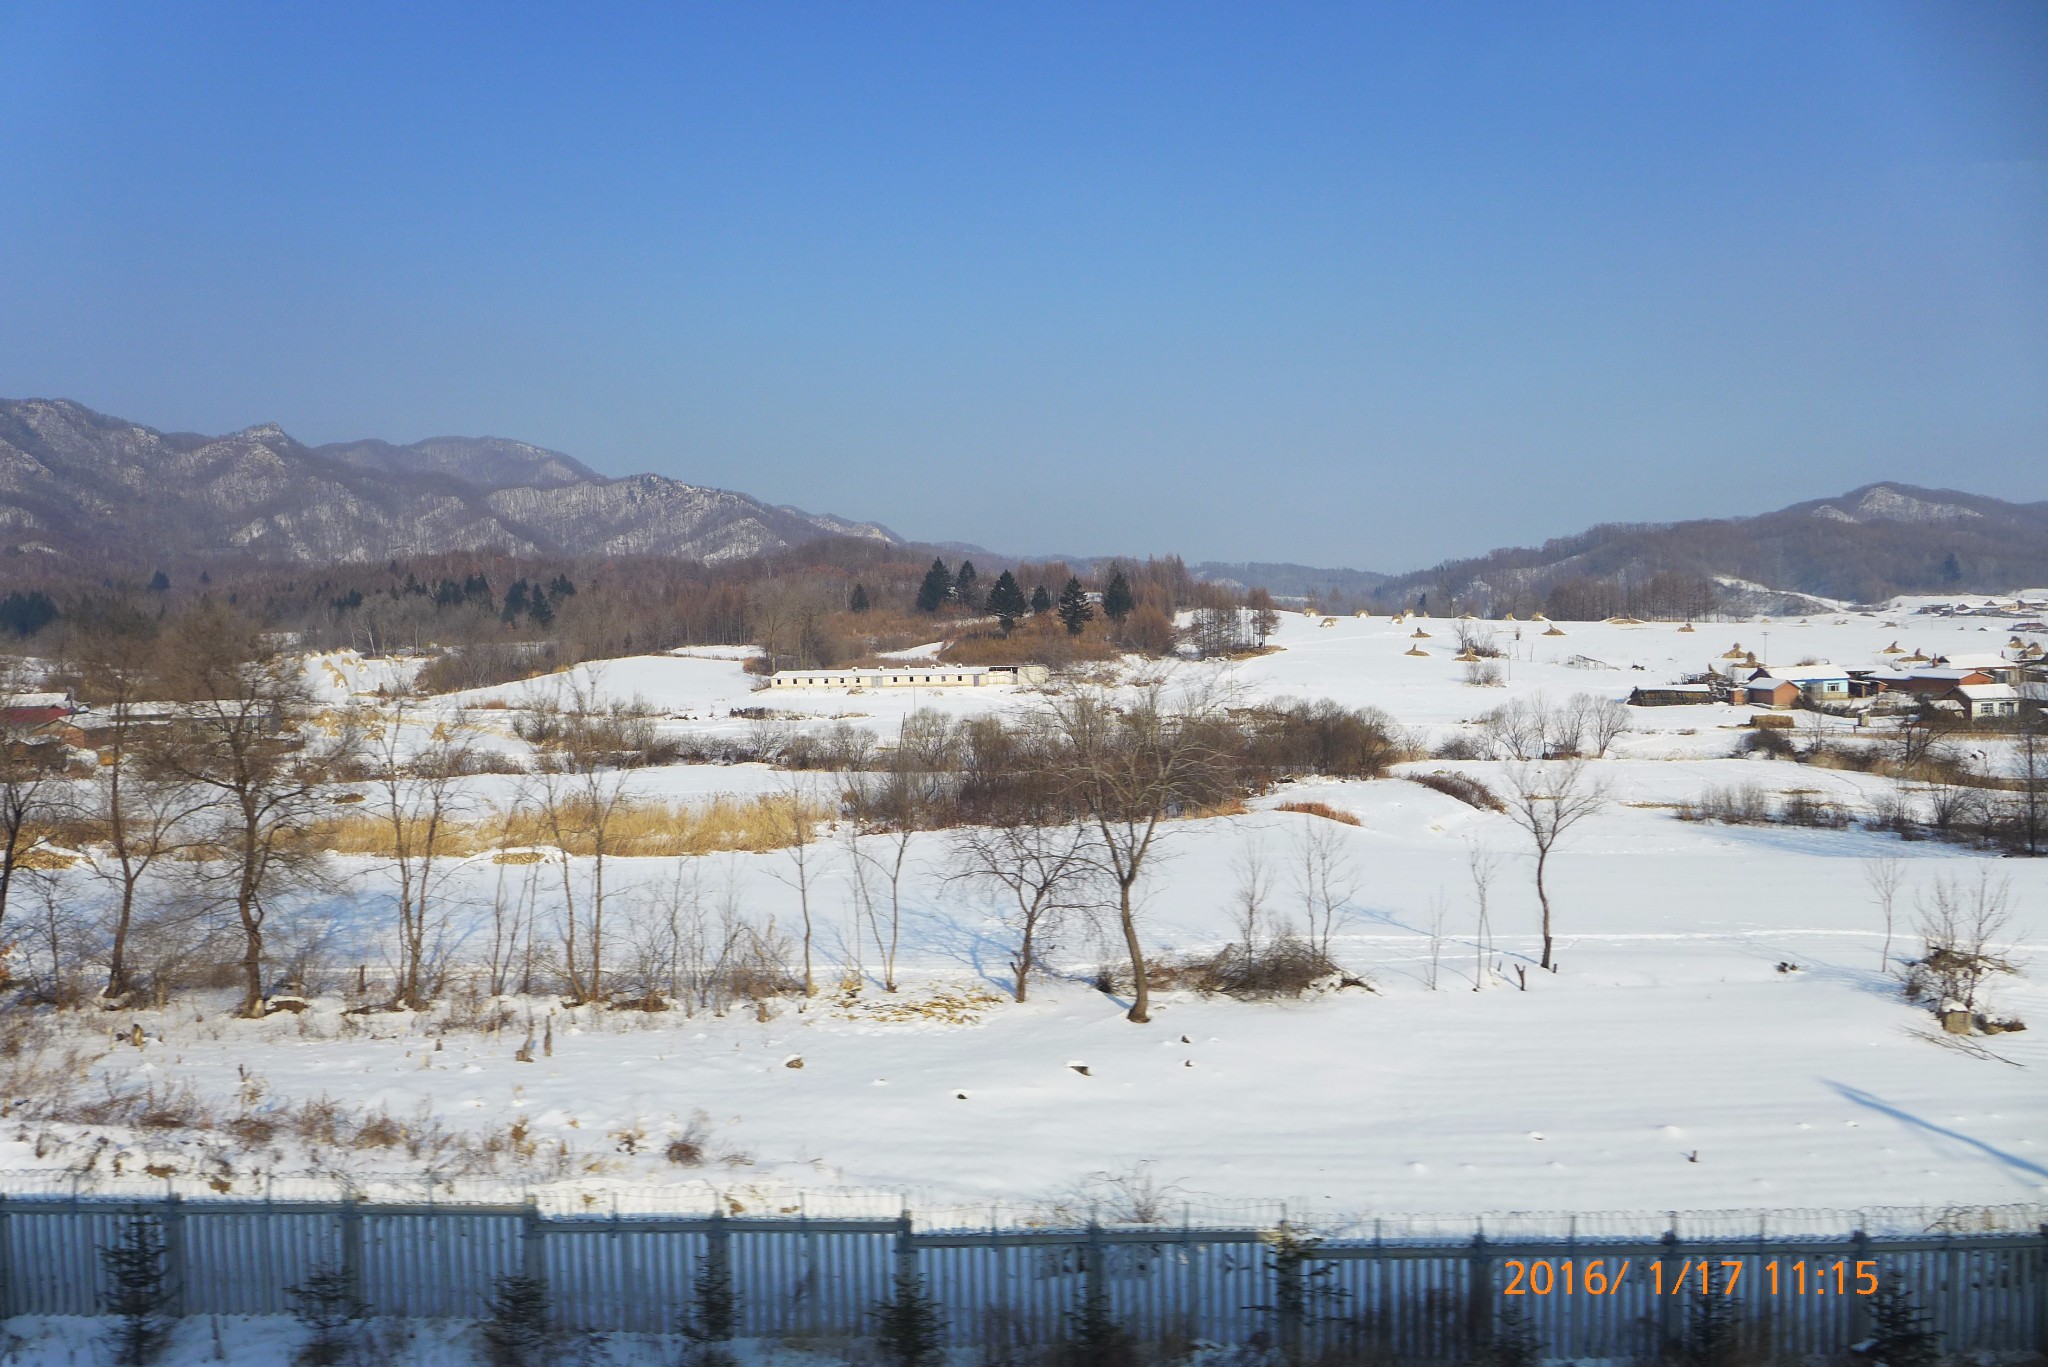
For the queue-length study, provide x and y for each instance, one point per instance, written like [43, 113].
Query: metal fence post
[1859, 1316]
[533, 1258]
[1479, 1295]
[1668, 1322]
[2041, 1295]
[6, 1265]
[1092, 1292]
[173, 1220]
[717, 1259]
[352, 1245]
[906, 1251]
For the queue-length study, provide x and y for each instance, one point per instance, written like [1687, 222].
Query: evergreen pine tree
[909, 1329]
[713, 1318]
[561, 586]
[1902, 1337]
[1117, 601]
[1514, 1341]
[1006, 600]
[516, 1333]
[858, 602]
[1075, 610]
[137, 1294]
[1041, 601]
[1710, 1330]
[936, 588]
[160, 581]
[515, 601]
[540, 609]
[326, 1304]
[966, 586]
[1094, 1338]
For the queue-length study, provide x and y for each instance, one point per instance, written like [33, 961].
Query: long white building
[911, 676]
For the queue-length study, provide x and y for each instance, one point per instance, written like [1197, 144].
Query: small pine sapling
[1901, 1334]
[909, 1330]
[1710, 1330]
[327, 1306]
[516, 1332]
[1094, 1338]
[1514, 1341]
[136, 1294]
[712, 1320]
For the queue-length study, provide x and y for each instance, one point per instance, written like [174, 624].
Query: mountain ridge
[75, 482]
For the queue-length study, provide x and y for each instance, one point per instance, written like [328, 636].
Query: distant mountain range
[80, 485]
[1869, 544]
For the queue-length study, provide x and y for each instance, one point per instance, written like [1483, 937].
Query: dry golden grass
[1322, 809]
[751, 825]
[1229, 806]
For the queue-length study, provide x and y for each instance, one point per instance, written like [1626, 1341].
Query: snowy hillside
[1721, 1031]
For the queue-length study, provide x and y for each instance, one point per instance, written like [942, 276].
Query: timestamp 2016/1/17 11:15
[1699, 1276]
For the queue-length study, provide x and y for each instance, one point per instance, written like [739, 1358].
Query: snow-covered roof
[1800, 673]
[36, 700]
[1987, 692]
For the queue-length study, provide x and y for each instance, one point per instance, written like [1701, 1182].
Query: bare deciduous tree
[1601, 722]
[1325, 878]
[417, 763]
[1481, 864]
[31, 780]
[581, 794]
[2030, 767]
[1129, 762]
[1547, 801]
[794, 817]
[1042, 869]
[1885, 877]
[143, 813]
[1961, 928]
[241, 739]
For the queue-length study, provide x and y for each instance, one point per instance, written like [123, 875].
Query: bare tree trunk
[1543, 898]
[1141, 991]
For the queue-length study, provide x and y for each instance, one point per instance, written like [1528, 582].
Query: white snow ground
[1670, 1064]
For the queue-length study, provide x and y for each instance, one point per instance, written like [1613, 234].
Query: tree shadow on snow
[1904, 1117]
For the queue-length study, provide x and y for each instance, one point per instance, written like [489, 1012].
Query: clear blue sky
[1345, 284]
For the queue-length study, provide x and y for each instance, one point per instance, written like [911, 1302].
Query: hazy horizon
[1321, 285]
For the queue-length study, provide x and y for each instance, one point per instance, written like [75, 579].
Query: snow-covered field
[1720, 1033]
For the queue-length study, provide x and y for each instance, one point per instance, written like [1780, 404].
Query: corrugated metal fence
[1410, 1298]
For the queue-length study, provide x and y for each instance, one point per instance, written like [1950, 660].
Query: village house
[1985, 701]
[23, 710]
[1815, 683]
[1767, 692]
[1671, 695]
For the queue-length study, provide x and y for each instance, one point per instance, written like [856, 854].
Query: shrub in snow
[1284, 966]
[1462, 787]
[327, 1305]
[1960, 931]
[136, 1293]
